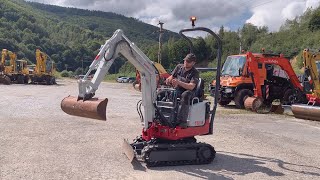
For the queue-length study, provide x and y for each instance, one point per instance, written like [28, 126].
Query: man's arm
[170, 78]
[187, 86]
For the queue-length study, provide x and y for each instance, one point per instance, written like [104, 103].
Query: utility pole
[82, 66]
[240, 49]
[161, 31]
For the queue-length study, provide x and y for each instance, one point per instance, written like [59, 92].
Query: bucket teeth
[93, 108]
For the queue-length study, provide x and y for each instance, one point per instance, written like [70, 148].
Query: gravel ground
[39, 141]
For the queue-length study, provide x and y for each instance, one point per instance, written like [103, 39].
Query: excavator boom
[86, 106]
[259, 78]
[311, 110]
[4, 70]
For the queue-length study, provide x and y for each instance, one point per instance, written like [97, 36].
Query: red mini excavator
[162, 141]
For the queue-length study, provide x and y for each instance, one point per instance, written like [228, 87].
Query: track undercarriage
[159, 152]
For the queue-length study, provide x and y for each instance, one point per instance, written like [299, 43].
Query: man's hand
[169, 80]
[175, 83]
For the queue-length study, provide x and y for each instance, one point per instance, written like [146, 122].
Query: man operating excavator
[184, 78]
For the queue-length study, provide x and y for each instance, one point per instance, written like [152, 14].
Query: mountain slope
[67, 35]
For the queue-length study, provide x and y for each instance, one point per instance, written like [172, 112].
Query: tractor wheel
[223, 102]
[20, 79]
[26, 79]
[5, 80]
[48, 80]
[54, 80]
[241, 95]
[289, 97]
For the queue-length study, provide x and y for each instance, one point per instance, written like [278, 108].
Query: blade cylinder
[93, 108]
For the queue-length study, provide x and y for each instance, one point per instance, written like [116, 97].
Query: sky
[175, 14]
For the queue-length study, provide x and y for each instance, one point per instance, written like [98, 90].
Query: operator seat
[199, 90]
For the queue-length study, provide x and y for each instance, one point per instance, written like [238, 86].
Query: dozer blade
[253, 103]
[304, 111]
[5, 80]
[128, 150]
[93, 108]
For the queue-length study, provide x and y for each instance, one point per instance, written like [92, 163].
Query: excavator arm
[311, 70]
[41, 59]
[5, 70]
[117, 45]
[266, 59]
[255, 70]
[12, 67]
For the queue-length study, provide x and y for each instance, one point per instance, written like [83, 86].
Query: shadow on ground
[227, 164]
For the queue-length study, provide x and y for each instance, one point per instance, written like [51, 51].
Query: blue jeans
[185, 98]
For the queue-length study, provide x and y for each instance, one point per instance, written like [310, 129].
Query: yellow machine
[10, 65]
[13, 70]
[311, 63]
[44, 69]
[4, 79]
[311, 110]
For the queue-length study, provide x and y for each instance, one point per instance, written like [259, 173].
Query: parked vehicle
[126, 79]
[131, 79]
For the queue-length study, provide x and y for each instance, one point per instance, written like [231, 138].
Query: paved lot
[39, 141]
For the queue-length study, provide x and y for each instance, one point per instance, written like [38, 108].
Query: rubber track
[147, 150]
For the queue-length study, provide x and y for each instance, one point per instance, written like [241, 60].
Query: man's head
[189, 61]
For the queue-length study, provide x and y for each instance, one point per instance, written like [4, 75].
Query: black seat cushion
[199, 91]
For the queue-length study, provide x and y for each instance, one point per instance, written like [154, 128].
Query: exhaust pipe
[93, 108]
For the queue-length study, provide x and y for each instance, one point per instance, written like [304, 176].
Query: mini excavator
[162, 141]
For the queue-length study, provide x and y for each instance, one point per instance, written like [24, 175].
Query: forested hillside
[71, 36]
[68, 35]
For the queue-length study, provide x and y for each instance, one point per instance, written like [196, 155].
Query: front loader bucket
[93, 108]
[5, 80]
[304, 111]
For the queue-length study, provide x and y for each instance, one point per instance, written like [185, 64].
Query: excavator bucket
[253, 103]
[93, 108]
[5, 80]
[304, 111]
[277, 109]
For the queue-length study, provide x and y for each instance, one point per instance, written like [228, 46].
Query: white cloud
[274, 13]
[211, 13]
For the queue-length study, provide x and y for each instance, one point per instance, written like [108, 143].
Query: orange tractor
[264, 77]
[235, 84]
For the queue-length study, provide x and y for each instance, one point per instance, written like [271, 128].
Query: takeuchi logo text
[273, 61]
